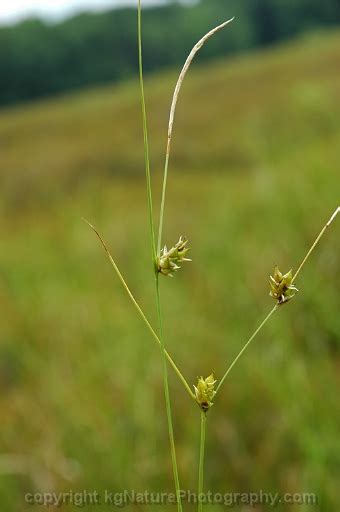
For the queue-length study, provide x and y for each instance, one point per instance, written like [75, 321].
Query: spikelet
[205, 392]
[282, 288]
[168, 261]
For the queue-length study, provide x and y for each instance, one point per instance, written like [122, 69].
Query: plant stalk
[316, 243]
[145, 136]
[201, 462]
[246, 346]
[154, 259]
[168, 402]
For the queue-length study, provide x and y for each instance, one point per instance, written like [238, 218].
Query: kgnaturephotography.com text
[126, 498]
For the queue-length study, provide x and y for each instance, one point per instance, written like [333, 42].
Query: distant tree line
[39, 59]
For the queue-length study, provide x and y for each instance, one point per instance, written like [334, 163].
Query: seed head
[168, 261]
[281, 286]
[205, 392]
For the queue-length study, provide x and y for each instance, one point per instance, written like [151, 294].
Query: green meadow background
[253, 177]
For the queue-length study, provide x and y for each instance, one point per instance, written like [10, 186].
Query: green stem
[154, 256]
[316, 243]
[145, 135]
[201, 462]
[246, 346]
[167, 401]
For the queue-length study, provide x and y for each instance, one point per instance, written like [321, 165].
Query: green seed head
[205, 392]
[168, 261]
[282, 288]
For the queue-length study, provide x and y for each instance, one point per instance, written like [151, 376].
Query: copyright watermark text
[125, 498]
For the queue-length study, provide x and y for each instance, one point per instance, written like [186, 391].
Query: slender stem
[154, 256]
[145, 135]
[167, 402]
[316, 243]
[201, 462]
[179, 83]
[246, 346]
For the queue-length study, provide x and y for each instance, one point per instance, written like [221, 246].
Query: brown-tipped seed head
[282, 288]
[167, 262]
[205, 392]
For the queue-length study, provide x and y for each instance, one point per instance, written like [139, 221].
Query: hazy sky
[14, 10]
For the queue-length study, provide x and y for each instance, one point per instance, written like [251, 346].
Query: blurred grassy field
[254, 175]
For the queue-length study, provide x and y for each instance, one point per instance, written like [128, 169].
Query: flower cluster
[205, 392]
[281, 286]
[168, 261]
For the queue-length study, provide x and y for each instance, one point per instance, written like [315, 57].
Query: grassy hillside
[253, 177]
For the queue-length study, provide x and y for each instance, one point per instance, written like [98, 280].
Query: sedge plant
[166, 262]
